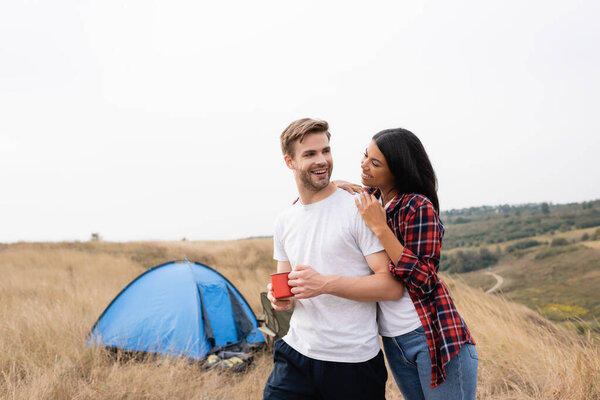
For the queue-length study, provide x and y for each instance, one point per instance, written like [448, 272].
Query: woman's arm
[418, 264]
[379, 286]
[415, 264]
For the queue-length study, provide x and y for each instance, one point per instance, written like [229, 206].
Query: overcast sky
[147, 120]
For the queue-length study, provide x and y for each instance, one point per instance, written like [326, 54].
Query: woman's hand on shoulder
[349, 187]
[372, 212]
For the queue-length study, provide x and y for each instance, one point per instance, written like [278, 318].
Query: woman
[427, 344]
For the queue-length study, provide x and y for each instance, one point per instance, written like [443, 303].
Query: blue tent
[177, 308]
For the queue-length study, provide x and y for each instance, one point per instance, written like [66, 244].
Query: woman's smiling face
[375, 170]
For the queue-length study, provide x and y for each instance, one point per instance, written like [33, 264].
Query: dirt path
[499, 282]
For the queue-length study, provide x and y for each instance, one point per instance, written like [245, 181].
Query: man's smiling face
[312, 162]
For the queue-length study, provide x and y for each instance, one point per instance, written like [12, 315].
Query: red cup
[279, 284]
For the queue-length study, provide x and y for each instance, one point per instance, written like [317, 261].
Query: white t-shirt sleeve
[279, 253]
[365, 238]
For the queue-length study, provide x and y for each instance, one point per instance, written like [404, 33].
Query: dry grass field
[52, 293]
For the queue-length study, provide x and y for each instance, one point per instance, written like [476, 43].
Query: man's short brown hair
[297, 131]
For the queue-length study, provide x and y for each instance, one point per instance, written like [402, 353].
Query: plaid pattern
[417, 226]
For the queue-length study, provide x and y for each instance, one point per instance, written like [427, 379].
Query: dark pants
[296, 376]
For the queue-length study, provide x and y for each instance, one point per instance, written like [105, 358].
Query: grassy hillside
[548, 256]
[560, 281]
[487, 225]
[51, 294]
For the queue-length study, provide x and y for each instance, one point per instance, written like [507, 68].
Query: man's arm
[284, 303]
[380, 286]
[284, 266]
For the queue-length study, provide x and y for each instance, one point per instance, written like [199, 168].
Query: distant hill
[476, 226]
[548, 256]
[478, 237]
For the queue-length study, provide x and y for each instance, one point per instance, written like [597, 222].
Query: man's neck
[309, 196]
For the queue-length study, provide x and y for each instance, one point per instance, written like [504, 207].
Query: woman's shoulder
[415, 204]
[415, 201]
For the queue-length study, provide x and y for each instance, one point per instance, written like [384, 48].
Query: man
[332, 348]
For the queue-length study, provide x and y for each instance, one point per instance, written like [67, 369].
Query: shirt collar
[393, 204]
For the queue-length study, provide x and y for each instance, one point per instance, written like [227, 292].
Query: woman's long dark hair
[408, 162]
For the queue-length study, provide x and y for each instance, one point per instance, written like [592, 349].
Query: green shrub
[588, 223]
[585, 237]
[523, 244]
[468, 260]
[559, 241]
[461, 220]
[545, 208]
[552, 251]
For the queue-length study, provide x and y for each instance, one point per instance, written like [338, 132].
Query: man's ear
[288, 161]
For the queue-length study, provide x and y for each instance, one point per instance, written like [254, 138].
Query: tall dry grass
[51, 294]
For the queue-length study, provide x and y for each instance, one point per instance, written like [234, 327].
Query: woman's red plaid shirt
[417, 226]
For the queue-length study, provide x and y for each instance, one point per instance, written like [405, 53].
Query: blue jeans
[409, 360]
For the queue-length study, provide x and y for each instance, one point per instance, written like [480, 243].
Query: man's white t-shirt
[332, 238]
